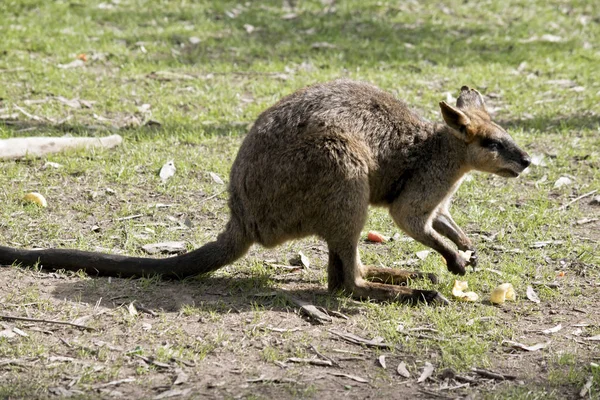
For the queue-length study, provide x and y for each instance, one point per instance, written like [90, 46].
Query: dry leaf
[353, 377]
[50, 164]
[216, 178]
[131, 309]
[167, 170]
[586, 388]
[552, 330]
[522, 346]
[173, 393]
[73, 64]
[562, 181]
[427, 372]
[300, 260]
[144, 108]
[7, 333]
[538, 160]
[402, 371]
[322, 45]
[182, 377]
[532, 295]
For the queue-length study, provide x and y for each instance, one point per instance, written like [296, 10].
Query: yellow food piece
[35, 197]
[502, 293]
[458, 291]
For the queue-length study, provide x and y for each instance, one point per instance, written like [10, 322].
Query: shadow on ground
[209, 294]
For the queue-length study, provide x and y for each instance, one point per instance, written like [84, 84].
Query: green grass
[544, 89]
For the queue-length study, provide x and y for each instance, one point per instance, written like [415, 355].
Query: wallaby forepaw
[457, 265]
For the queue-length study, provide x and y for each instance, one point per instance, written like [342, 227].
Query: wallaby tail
[229, 246]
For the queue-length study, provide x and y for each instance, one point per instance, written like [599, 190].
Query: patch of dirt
[232, 336]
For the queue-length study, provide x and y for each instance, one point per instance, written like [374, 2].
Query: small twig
[459, 386]
[46, 321]
[312, 361]
[211, 197]
[129, 217]
[551, 285]
[28, 115]
[434, 394]
[323, 356]
[583, 196]
[493, 375]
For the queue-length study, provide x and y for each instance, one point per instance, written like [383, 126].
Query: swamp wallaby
[313, 163]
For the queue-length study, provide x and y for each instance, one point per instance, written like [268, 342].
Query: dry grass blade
[46, 321]
[352, 338]
[114, 383]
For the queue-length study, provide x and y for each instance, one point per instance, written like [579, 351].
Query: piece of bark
[13, 148]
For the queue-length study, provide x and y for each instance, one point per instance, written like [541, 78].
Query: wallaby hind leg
[345, 264]
[394, 276]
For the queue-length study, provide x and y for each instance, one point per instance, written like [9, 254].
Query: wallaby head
[489, 147]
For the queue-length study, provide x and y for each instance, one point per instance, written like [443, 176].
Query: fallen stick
[45, 321]
[583, 196]
[13, 148]
[493, 375]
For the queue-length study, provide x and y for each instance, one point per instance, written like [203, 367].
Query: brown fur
[313, 163]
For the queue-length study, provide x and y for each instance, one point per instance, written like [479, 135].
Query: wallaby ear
[470, 98]
[455, 118]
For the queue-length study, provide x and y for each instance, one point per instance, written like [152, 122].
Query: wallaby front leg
[445, 225]
[420, 229]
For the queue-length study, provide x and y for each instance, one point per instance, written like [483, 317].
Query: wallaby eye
[491, 144]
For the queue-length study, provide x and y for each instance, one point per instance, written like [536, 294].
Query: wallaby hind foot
[393, 276]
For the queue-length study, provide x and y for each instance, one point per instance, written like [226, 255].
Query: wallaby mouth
[508, 173]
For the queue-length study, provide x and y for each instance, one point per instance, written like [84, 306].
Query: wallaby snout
[500, 155]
